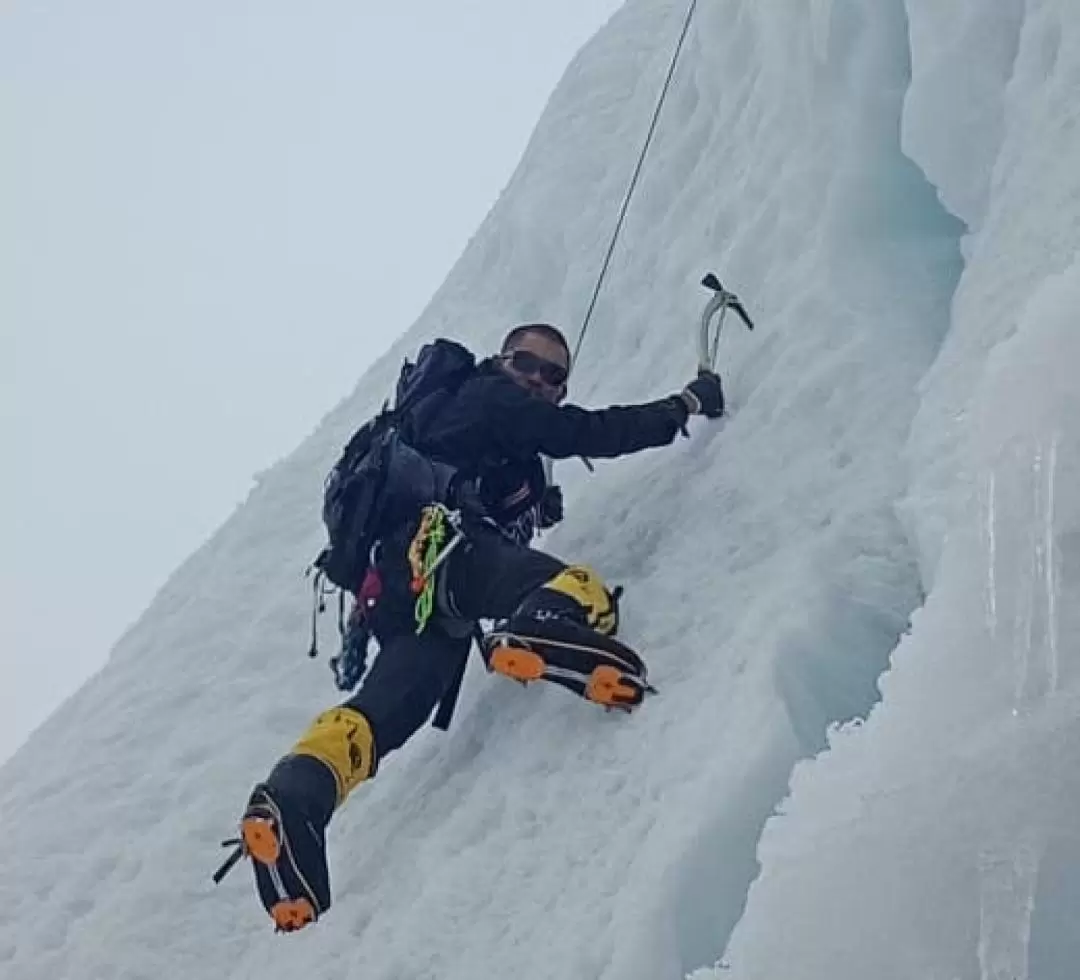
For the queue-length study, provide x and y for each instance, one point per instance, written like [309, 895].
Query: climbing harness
[428, 549]
[709, 335]
[634, 179]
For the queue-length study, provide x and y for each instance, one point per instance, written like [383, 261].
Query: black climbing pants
[486, 577]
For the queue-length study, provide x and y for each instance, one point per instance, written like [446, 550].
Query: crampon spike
[612, 688]
[261, 839]
[291, 915]
[517, 663]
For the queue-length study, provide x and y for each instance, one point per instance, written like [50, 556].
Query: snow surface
[893, 190]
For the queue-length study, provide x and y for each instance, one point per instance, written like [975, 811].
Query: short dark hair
[544, 329]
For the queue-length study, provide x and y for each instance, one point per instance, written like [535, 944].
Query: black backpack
[380, 478]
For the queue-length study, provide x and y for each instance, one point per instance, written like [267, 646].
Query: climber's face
[539, 363]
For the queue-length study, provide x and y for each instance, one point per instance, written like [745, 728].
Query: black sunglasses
[526, 362]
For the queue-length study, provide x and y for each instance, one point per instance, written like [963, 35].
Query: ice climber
[462, 484]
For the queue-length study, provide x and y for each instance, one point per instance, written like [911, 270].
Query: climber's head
[537, 357]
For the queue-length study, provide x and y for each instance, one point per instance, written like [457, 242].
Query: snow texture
[859, 594]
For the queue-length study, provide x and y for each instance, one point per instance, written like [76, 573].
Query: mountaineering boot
[564, 632]
[283, 829]
[288, 853]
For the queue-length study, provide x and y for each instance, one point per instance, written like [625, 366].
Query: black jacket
[495, 431]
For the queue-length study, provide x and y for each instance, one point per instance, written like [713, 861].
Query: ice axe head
[709, 335]
[724, 299]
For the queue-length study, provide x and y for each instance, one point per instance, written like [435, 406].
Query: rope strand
[634, 179]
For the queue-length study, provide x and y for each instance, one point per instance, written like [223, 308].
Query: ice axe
[709, 335]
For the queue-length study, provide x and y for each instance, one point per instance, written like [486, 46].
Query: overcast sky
[214, 214]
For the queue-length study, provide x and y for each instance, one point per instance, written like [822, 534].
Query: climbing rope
[634, 179]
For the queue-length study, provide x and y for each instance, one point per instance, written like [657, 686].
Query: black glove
[704, 395]
[549, 511]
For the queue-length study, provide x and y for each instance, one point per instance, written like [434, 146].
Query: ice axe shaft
[719, 303]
